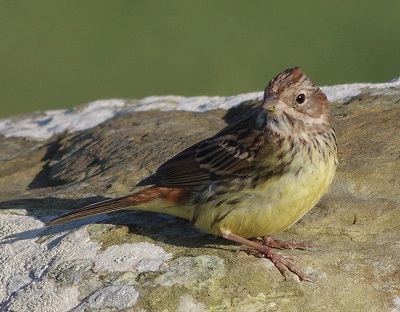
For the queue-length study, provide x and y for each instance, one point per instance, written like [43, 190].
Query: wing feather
[231, 152]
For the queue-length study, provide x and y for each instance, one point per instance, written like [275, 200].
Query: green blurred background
[59, 54]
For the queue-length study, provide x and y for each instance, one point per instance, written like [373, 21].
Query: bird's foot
[280, 244]
[283, 264]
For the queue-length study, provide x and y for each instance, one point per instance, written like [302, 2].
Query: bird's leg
[280, 244]
[283, 264]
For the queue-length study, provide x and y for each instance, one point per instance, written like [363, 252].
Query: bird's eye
[301, 98]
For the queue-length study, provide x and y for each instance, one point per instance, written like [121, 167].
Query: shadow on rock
[158, 227]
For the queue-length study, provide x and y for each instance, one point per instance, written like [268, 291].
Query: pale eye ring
[301, 98]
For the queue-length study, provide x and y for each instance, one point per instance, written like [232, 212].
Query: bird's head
[292, 100]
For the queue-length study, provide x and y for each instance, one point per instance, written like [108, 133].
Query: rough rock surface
[143, 261]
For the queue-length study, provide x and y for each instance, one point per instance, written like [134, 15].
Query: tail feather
[171, 196]
[106, 206]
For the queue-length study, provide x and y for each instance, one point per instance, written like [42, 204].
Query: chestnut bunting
[254, 178]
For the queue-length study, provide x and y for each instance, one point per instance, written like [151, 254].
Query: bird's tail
[169, 200]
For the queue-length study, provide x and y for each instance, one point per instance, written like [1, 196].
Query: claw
[283, 264]
[280, 244]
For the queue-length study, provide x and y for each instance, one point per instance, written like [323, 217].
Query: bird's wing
[230, 153]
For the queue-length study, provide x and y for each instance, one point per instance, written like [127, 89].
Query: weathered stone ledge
[149, 262]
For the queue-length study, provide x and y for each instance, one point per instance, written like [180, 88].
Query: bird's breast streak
[273, 205]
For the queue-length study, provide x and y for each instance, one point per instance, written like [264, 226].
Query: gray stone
[150, 262]
[110, 298]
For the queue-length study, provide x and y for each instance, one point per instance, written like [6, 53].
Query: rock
[150, 262]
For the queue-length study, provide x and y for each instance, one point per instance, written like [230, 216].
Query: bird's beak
[272, 104]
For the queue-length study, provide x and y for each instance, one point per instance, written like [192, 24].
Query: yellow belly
[272, 206]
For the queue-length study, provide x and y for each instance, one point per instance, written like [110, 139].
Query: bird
[254, 178]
